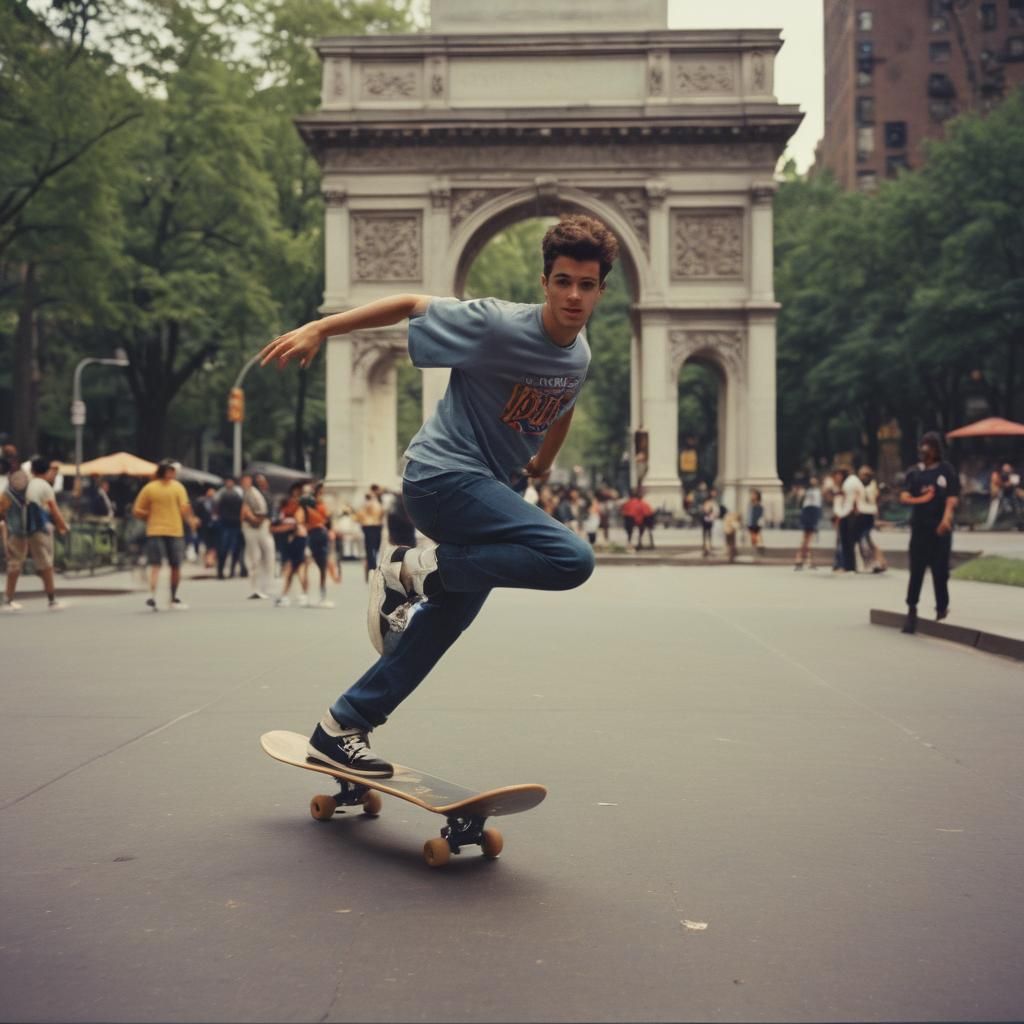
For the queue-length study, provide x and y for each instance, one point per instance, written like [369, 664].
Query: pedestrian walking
[755, 520]
[164, 507]
[730, 531]
[318, 523]
[810, 517]
[228, 504]
[867, 516]
[516, 372]
[932, 489]
[709, 512]
[846, 498]
[259, 542]
[28, 516]
[291, 525]
[371, 518]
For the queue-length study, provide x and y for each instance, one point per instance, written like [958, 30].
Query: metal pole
[236, 461]
[78, 411]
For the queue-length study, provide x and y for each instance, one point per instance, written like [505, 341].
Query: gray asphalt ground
[761, 808]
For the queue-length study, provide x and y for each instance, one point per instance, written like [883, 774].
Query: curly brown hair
[580, 238]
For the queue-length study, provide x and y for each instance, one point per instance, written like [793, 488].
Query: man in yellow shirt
[164, 506]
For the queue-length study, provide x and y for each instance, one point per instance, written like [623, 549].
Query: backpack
[17, 514]
[37, 519]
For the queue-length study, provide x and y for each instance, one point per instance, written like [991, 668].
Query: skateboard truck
[463, 831]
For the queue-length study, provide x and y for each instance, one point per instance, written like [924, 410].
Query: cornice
[519, 44]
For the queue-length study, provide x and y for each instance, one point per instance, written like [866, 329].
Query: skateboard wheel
[436, 852]
[323, 807]
[372, 804]
[491, 843]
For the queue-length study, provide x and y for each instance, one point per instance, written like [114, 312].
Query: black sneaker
[151, 604]
[388, 611]
[910, 622]
[349, 751]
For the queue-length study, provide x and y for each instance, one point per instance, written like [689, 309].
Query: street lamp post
[78, 406]
[236, 415]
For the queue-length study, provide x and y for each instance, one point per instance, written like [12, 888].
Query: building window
[941, 110]
[940, 87]
[895, 134]
[938, 51]
[895, 164]
[1017, 12]
[989, 18]
[865, 21]
[867, 181]
[865, 69]
[1015, 48]
[865, 143]
[865, 110]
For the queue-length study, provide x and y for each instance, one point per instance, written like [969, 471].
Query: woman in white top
[867, 506]
[810, 516]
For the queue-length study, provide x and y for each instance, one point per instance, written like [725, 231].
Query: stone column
[342, 476]
[636, 413]
[436, 246]
[659, 409]
[381, 440]
[336, 249]
[762, 255]
[761, 466]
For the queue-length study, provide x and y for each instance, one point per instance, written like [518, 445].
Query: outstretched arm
[304, 342]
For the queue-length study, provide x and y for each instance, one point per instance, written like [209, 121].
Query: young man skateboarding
[517, 370]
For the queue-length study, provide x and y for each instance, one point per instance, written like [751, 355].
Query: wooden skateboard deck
[466, 810]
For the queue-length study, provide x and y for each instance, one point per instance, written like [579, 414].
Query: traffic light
[236, 405]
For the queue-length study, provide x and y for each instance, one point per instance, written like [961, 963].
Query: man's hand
[303, 344]
[946, 526]
[906, 498]
[536, 470]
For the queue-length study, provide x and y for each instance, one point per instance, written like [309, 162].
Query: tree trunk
[26, 367]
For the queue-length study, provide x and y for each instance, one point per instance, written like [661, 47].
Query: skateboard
[466, 811]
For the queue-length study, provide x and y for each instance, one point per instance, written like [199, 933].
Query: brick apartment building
[897, 70]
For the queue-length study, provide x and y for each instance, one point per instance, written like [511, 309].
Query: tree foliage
[907, 305]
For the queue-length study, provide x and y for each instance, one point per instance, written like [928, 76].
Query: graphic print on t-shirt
[537, 402]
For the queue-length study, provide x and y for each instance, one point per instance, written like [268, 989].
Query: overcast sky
[800, 67]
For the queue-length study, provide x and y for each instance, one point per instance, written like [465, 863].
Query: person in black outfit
[229, 516]
[932, 488]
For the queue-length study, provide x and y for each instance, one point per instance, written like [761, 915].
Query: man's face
[247, 481]
[51, 473]
[571, 290]
[928, 453]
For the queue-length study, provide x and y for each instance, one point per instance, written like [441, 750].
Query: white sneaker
[56, 606]
[283, 601]
[420, 562]
[303, 601]
[177, 605]
[324, 603]
[10, 606]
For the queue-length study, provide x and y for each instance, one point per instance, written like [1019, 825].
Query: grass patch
[992, 569]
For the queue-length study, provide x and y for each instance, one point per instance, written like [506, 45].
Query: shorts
[810, 516]
[171, 548]
[39, 545]
[318, 544]
[295, 551]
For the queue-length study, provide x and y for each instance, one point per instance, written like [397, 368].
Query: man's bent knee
[576, 563]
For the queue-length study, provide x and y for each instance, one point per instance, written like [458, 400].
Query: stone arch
[430, 144]
[500, 210]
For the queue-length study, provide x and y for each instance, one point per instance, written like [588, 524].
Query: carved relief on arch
[725, 346]
[387, 246]
[633, 204]
[466, 201]
[370, 348]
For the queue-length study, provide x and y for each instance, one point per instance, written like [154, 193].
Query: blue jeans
[487, 537]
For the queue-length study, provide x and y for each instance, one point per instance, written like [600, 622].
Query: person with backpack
[27, 509]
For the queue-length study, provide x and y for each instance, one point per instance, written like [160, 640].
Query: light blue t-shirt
[509, 383]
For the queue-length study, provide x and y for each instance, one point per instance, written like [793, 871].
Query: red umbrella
[991, 427]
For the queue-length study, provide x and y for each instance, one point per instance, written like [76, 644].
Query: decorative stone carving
[387, 246]
[707, 245]
[656, 77]
[389, 83]
[726, 345]
[369, 348]
[440, 197]
[706, 76]
[445, 157]
[763, 192]
[656, 193]
[437, 79]
[335, 196]
[632, 203]
[337, 79]
[760, 71]
[466, 201]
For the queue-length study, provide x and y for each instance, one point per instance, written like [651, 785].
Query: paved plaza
[761, 808]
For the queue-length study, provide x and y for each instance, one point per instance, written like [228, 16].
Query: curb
[993, 643]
